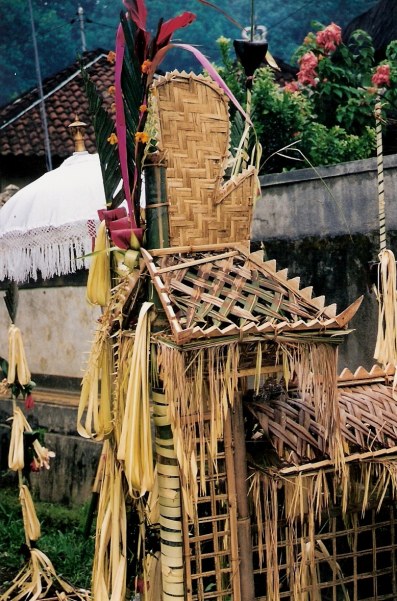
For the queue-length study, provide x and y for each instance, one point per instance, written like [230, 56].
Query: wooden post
[243, 515]
[232, 496]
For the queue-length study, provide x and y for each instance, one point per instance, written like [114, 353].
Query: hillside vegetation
[59, 41]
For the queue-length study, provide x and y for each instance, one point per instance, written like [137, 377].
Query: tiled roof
[21, 131]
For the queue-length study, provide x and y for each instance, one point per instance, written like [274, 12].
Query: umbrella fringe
[50, 259]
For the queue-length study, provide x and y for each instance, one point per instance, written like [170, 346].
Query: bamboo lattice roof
[208, 292]
[368, 413]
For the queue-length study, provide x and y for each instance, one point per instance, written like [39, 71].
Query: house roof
[21, 130]
[227, 292]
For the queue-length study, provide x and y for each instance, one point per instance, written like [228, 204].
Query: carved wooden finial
[78, 131]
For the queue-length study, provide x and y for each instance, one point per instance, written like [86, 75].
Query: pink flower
[29, 402]
[381, 76]
[291, 87]
[329, 38]
[308, 63]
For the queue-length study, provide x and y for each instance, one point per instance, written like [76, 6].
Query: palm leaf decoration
[137, 55]
[103, 127]
[134, 85]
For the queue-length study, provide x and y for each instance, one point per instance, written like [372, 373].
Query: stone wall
[71, 475]
[57, 326]
[323, 225]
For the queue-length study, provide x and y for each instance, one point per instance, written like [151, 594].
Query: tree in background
[59, 39]
[326, 116]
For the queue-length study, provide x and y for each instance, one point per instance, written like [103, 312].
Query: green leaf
[108, 154]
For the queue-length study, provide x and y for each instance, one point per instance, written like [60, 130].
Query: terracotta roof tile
[21, 131]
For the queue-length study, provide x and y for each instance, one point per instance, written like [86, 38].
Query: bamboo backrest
[193, 134]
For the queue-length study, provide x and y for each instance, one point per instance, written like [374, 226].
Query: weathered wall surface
[70, 477]
[57, 326]
[324, 227]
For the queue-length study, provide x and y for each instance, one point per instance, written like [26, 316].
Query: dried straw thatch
[294, 487]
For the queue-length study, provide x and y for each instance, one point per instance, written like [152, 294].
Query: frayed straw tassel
[386, 342]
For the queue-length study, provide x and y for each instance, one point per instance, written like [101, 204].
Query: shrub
[327, 114]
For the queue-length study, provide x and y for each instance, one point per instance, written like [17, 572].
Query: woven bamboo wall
[194, 136]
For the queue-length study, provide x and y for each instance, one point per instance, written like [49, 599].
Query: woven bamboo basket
[193, 122]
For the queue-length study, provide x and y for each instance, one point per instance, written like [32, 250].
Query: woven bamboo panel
[368, 422]
[211, 549]
[194, 136]
[364, 548]
[230, 292]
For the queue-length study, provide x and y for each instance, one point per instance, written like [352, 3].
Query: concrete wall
[70, 477]
[57, 326]
[324, 227]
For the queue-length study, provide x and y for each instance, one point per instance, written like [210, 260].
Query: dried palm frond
[20, 425]
[309, 577]
[37, 578]
[110, 558]
[195, 383]
[386, 342]
[94, 415]
[135, 446]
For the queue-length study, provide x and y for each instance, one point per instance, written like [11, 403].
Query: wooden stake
[243, 516]
[232, 495]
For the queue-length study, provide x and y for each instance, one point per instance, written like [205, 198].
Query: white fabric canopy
[48, 226]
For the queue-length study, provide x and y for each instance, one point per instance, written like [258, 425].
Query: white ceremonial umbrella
[49, 225]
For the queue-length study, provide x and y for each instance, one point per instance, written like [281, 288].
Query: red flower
[34, 465]
[29, 402]
[308, 63]
[291, 87]
[329, 38]
[381, 76]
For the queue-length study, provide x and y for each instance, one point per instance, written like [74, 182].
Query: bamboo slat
[210, 534]
[368, 426]
[209, 294]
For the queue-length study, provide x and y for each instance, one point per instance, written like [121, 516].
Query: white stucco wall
[57, 326]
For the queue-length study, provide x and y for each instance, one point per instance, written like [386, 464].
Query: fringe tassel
[53, 251]
[386, 342]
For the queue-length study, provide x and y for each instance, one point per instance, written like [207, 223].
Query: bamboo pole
[381, 184]
[232, 495]
[243, 516]
[170, 501]
[328, 463]
[157, 232]
[170, 506]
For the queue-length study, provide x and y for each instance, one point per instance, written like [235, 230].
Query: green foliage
[59, 41]
[328, 146]
[109, 159]
[328, 115]
[62, 539]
